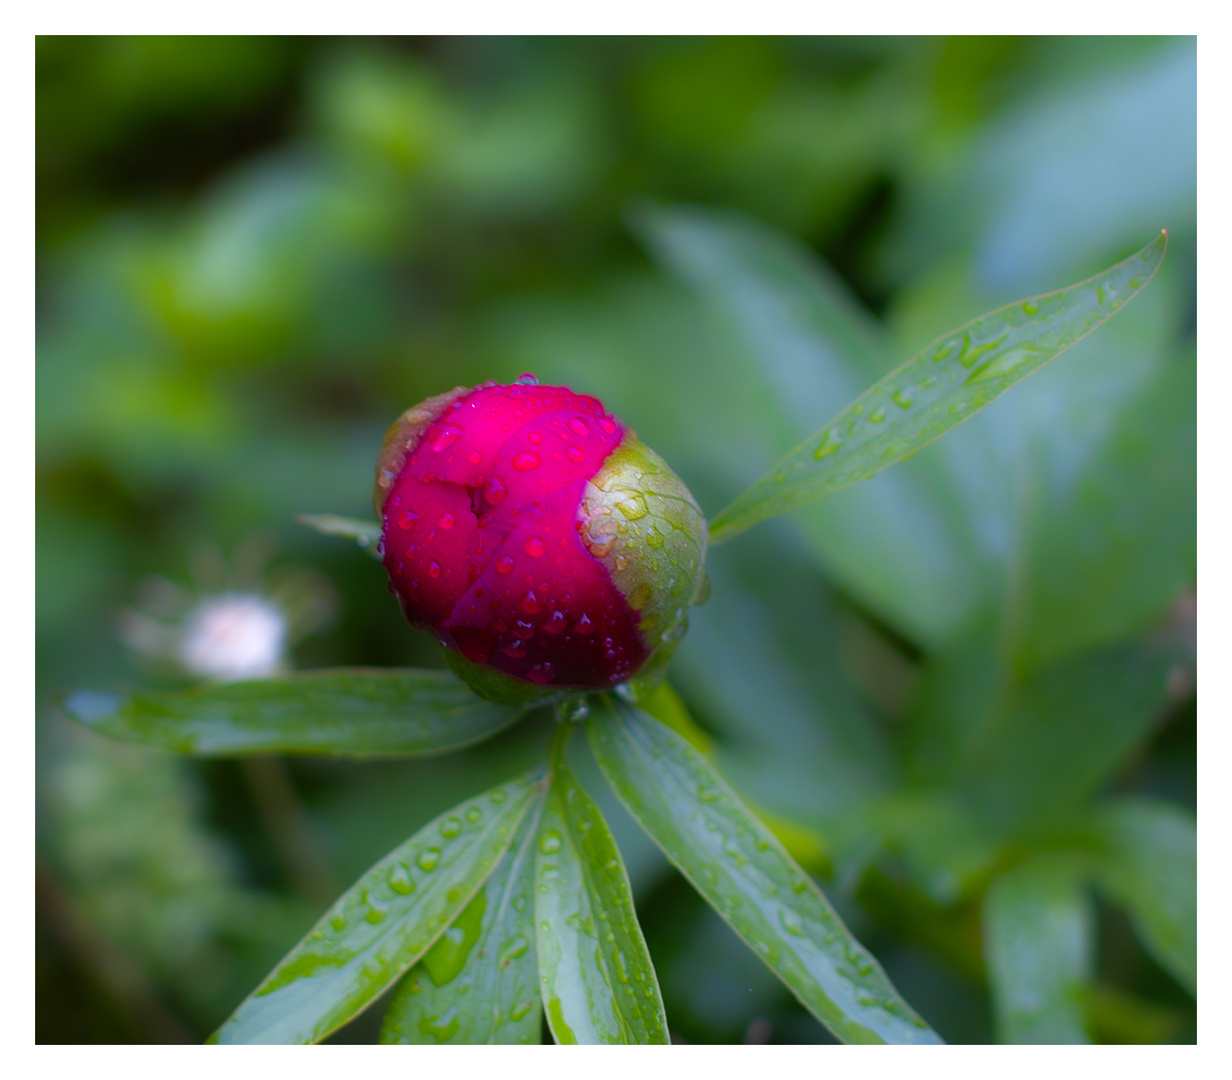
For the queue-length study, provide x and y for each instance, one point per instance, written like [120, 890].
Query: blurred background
[963, 692]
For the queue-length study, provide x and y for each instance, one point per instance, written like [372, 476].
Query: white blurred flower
[234, 636]
[239, 622]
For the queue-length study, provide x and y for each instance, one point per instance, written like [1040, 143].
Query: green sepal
[493, 685]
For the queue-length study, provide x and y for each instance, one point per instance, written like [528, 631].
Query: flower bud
[542, 543]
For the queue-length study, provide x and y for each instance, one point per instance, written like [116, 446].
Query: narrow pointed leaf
[367, 534]
[597, 981]
[354, 712]
[479, 983]
[747, 876]
[384, 923]
[949, 381]
[1038, 942]
[1147, 859]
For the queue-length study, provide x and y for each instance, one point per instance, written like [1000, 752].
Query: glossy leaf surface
[383, 923]
[744, 872]
[597, 981]
[1038, 942]
[950, 380]
[1147, 859]
[356, 712]
[480, 982]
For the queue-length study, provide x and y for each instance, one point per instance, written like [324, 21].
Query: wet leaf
[806, 344]
[949, 381]
[384, 923]
[1147, 860]
[598, 983]
[1038, 941]
[353, 712]
[480, 982]
[746, 875]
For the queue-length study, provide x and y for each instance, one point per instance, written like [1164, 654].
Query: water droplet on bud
[504, 564]
[525, 461]
[526, 379]
[535, 547]
[542, 673]
[446, 437]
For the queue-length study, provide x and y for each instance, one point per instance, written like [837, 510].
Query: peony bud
[537, 538]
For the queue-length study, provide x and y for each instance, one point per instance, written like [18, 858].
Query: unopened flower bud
[543, 544]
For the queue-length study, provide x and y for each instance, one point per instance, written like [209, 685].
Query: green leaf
[356, 712]
[1038, 942]
[746, 875]
[1049, 741]
[808, 349]
[1109, 537]
[950, 380]
[367, 534]
[598, 983]
[1147, 859]
[479, 983]
[384, 923]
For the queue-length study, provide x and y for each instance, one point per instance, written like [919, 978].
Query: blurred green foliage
[974, 670]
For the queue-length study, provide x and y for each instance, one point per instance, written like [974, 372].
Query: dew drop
[525, 461]
[524, 630]
[450, 827]
[606, 425]
[542, 673]
[633, 507]
[1030, 307]
[535, 547]
[548, 843]
[446, 437]
[338, 922]
[428, 859]
[400, 881]
[513, 948]
[556, 622]
[574, 454]
[446, 520]
[474, 457]
[583, 625]
[434, 570]
[407, 518]
[504, 564]
[902, 398]
[791, 923]
[515, 649]
[498, 795]
[526, 379]
[494, 490]
[530, 602]
[579, 427]
[828, 445]
[877, 415]
[640, 596]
